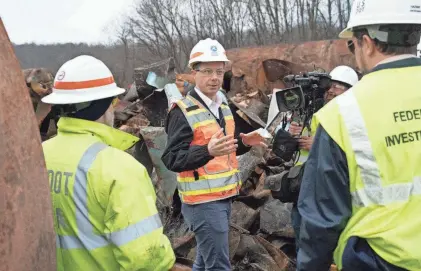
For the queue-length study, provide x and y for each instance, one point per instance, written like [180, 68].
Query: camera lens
[292, 100]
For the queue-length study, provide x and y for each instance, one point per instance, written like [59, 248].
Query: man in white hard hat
[343, 78]
[105, 216]
[361, 192]
[202, 147]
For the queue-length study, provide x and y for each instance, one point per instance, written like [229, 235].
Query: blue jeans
[210, 223]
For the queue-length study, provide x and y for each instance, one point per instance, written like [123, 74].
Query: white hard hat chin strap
[391, 35]
[375, 33]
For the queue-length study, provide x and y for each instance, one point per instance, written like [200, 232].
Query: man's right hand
[220, 145]
[295, 129]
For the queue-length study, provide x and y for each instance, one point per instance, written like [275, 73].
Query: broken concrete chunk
[242, 215]
[275, 216]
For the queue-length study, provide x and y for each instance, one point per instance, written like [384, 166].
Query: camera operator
[343, 78]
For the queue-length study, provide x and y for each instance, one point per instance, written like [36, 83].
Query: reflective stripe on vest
[201, 117]
[86, 238]
[205, 184]
[373, 191]
[219, 178]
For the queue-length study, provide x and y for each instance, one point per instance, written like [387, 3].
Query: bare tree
[171, 27]
[123, 35]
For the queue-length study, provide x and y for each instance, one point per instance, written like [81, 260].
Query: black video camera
[303, 99]
[307, 92]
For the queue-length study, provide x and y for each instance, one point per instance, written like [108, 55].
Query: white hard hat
[344, 74]
[376, 12]
[207, 50]
[82, 79]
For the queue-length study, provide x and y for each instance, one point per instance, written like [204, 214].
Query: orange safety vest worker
[219, 178]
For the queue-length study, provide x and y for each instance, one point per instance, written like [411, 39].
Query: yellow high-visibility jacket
[104, 209]
[303, 153]
[382, 145]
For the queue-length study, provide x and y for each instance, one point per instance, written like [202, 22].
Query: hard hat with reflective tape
[344, 74]
[207, 50]
[82, 79]
[376, 12]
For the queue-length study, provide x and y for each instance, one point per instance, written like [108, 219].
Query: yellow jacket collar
[109, 135]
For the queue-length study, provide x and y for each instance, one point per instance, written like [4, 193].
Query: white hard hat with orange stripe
[207, 50]
[82, 79]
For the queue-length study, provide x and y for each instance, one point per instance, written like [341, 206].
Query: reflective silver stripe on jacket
[207, 184]
[86, 238]
[373, 192]
[206, 115]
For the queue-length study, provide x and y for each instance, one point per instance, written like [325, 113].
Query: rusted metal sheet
[256, 68]
[27, 239]
[39, 82]
[252, 110]
[280, 258]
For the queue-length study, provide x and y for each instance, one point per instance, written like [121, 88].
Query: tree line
[172, 27]
[158, 29]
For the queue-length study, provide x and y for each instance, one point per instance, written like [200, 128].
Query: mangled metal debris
[261, 235]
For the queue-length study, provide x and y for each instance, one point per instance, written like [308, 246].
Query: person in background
[343, 78]
[105, 216]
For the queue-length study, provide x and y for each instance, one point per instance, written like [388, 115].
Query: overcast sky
[50, 21]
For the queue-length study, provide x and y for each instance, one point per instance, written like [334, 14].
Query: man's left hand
[306, 142]
[253, 139]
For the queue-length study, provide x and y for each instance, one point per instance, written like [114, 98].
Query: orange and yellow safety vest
[219, 178]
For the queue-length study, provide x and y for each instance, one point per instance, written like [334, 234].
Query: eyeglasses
[351, 46]
[209, 72]
[339, 86]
